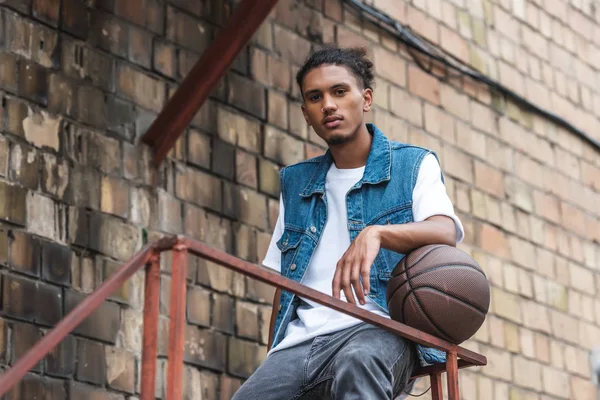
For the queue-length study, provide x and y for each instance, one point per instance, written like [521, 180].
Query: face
[335, 103]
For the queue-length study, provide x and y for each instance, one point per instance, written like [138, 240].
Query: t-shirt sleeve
[273, 257]
[430, 197]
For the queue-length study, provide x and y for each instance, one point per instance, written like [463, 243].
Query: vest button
[293, 267]
[279, 308]
[313, 229]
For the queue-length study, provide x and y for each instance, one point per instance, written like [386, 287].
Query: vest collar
[377, 169]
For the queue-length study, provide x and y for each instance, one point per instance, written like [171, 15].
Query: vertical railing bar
[437, 392]
[177, 323]
[151, 311]
[452, 375]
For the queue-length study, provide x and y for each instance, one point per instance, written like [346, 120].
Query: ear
[303, 107]
[367, 99]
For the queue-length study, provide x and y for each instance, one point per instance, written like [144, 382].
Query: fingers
[346, 271]
[337, 280]
[366, 278]
[355, 281]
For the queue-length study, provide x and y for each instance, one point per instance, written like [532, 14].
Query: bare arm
[357, 260]
[404, 238]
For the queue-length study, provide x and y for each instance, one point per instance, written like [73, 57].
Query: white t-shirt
[429, 198]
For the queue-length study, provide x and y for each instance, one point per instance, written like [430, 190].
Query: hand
[356, 263]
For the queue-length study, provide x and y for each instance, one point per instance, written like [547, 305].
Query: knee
[356, 361]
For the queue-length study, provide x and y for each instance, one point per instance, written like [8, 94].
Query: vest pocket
[288, 245]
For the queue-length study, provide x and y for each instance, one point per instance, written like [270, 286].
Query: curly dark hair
[354, 58]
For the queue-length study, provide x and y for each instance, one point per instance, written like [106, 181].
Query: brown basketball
[440, 290]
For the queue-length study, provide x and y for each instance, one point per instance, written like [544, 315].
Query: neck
[354, 152]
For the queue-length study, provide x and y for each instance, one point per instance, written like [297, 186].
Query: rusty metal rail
[149, 256]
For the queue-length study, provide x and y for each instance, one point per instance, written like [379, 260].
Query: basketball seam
[453, 297]
[431, 269]
[423, 256]
[448, 337]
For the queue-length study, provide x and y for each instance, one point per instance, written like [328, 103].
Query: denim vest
[382, 196]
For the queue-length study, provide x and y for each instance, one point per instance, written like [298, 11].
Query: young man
[346, 219]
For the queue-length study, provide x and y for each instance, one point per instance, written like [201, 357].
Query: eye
[314, 97]
[340, 92]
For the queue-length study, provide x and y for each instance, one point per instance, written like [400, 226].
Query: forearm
[407, 237]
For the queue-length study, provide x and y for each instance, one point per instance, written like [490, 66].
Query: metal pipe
[177, 324]
[151, 311]
[205, 75]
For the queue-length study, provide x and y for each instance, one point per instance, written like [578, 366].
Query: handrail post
[177, 324]
[437, 391]
[151, 311]
[452, 375]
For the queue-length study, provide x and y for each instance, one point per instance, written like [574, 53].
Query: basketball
[440, 290]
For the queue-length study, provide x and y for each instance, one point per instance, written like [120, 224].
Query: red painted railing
[149, 257]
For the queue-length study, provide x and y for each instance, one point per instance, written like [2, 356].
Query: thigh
[369, 344]
[278, 377]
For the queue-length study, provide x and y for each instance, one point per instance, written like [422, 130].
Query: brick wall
[80, 82]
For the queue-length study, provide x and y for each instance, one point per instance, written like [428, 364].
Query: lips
[333, 121]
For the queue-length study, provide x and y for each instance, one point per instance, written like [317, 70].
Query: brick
[506, 305]
[239, 130]
[573, 219]
[32, 301]
[223, 159]
[297, 123]
[218, 232]
[499, 364]
[199, 149]
[140, 46]
[205, 348]
[262, 244]
[75, 18]
[564, 327]
[527, 373]
[24, 336]
[62, 95]
[245, 242]
[247, 95]
[128, 293]
[581, 279]
[423, 84]
[489, 179]
[83, 277]
[179, 27]
[33, 386]
[143, 89]
[281, 147]
[56, 263]
[164, 58]
[222, 306]
[457, 164]
[199, 188]
[91, 365]
[590, 175]
[114, 196]
[389, 66]
[246, 206]
[113, 237]
[290, 46]
[25, 166]
[555, 382]
[246, 320]
[41, 130]
[55, 175]
[454, 102]
[277, 109]
[83, 63]
[25, 251]
[60, 362]
[243, 357]
[84, 188]
[582, 388]
[9, 72]
[406, 106]
[268, 177]
[493, 240]
[198, 306]
[194, 221]
[246, 169]
[546, 206]
[120, 369]
[103, 324]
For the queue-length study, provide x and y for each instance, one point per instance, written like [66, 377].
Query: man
[346, 219]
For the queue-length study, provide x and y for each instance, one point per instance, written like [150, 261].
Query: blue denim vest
[382, 196]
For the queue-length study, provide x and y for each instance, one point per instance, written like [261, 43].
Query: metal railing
[149, 257]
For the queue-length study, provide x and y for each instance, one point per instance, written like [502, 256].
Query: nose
[329, 105]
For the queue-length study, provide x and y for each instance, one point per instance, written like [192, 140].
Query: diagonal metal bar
[205, 75]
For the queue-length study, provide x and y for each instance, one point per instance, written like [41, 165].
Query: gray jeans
[363, 362]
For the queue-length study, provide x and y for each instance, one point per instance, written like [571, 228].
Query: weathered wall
[80, 81]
